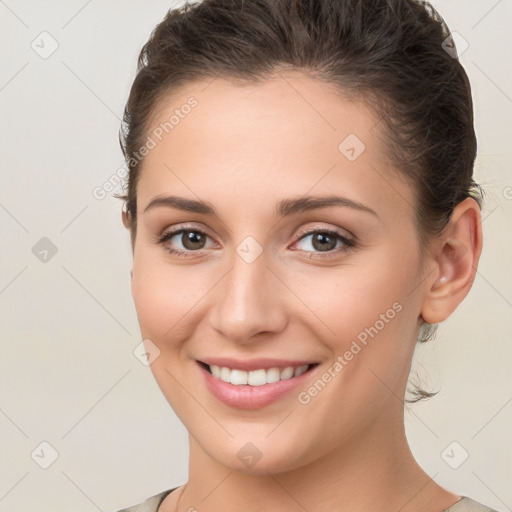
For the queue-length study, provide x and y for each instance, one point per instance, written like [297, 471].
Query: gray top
[465, 504]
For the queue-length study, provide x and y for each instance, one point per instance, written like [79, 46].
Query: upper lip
[253, 364]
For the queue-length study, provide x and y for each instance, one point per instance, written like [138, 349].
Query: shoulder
[149, 505]
[466, 504]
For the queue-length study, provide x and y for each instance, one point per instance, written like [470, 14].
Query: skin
[243, 149]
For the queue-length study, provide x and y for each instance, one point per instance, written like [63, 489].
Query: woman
[301, 209]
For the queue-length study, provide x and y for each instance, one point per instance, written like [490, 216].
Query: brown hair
[392, 54]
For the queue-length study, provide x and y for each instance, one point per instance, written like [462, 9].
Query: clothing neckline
[164, 495]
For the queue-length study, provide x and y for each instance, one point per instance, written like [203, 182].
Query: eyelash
[348, 243]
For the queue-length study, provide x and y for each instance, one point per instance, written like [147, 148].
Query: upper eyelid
[180, 228]
[315, 229]
[298, 236]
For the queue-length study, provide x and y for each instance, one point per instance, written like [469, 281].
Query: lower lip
[251, 397]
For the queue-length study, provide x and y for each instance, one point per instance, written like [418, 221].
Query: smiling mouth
[258, 377]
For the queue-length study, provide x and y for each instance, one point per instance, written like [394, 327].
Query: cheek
[348, 300]
[368, 336]
[153, 296]
[366, 313]
[165, 296]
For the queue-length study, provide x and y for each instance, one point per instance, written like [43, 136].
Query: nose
[249, 300]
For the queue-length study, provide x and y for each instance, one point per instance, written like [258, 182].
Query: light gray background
[68, 375]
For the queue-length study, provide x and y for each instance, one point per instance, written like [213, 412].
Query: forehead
[292, 105]
[285, 136]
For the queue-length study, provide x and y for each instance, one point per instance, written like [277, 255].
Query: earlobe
[456, 259]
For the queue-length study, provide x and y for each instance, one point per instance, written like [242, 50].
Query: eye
[315, 242]
[324, 241]
[191, 239]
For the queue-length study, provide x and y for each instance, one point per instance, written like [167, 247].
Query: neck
[374, 471]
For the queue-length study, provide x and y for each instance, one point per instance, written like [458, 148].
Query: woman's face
[261, 280]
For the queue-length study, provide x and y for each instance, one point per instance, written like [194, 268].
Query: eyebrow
[285, 207]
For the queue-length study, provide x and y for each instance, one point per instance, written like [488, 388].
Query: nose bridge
[247, 301]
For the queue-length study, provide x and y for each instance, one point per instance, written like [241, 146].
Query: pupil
[323, 244]
[192, 238]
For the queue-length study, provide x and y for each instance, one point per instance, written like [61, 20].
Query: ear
[455, 257]
[126, 219]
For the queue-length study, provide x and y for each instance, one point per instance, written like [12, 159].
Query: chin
[257, 458]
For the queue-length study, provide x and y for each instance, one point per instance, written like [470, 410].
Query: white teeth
[273, 375]
[287, 373]
[238, 377]
[300, 370]
[256, 377]
[225, 374]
